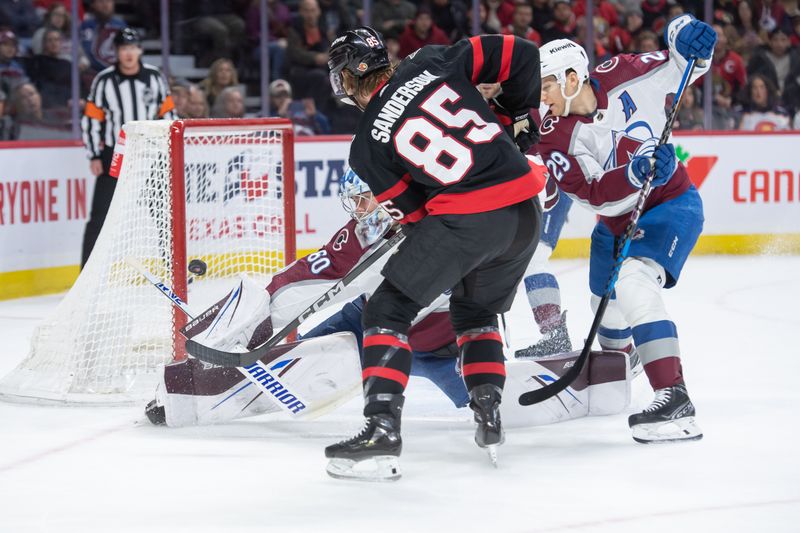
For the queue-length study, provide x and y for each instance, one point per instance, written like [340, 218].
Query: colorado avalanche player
[599, 141]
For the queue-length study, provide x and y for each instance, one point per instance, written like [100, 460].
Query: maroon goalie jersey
[428, 143]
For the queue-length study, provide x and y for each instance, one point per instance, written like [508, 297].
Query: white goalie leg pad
[324, 371]
[378, 468]
[246, 307]
[603, 388]
[670, 431]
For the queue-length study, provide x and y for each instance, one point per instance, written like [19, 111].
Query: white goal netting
[225, 204]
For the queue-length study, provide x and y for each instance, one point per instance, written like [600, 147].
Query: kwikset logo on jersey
[396, 105]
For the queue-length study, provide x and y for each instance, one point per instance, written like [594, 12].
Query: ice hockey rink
[78, 469]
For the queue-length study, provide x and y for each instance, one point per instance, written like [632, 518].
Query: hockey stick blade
[233, 359]
[557, 386]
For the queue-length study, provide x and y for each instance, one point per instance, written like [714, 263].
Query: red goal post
[219, 190]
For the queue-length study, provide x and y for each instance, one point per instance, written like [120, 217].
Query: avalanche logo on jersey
[636, 139]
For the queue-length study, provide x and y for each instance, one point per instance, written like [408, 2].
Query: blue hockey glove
[665, 163]
[696, 40]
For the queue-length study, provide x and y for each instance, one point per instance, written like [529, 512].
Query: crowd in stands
[756, 71]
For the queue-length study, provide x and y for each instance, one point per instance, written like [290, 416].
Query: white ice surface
[107, 470]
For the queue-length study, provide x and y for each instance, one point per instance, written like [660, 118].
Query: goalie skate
[669, 418]
[553, 341]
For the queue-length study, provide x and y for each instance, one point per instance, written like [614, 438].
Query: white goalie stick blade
[378, 468]
[669, 431]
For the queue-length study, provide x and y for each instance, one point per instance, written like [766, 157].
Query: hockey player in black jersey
[447, 167]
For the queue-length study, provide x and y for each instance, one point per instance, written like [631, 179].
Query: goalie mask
[372, 220]
[360, 51]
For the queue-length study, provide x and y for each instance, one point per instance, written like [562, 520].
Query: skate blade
[682, 429]
[378, 468]
[492, 451]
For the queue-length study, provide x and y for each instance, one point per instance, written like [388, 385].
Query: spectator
[180, 97]
[451, 17]
[308, 54]
[602, 8]
[390, 17]
[50, 73]
[221, 75]
[794, 38]
[12, 73]
[392, 50]
[482, 27]
[620, 39]
[304, 115]
[761, 111]
[775, 60]
[690, 114]
[57, 18]
[229, 104]
[97, 34]
[749, 38]
[420, 32]
[521, 24]
[601, 52]
[564, 24]
[727, 70]
[653, 12]
[21, 17]
[219, 26]
[196, 103]
[336, 18]
[771, 15]
[542, 15]
[674, 10]
[43, 6]
[646, 41]
[278, 19]
[29, 120]
[498, 14]
[130, 90]
[791, 91]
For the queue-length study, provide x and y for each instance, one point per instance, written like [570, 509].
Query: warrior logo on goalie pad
[263, 377]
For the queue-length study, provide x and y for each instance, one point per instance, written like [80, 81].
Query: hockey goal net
[221, 191]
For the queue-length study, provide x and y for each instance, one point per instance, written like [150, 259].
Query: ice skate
[372, 455]
[485, 402]
[155, 413]
[670, 417]
[553, 341]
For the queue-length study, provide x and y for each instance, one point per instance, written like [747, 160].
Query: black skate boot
[669, 418]
[554, 341]
[485, 401]
[372, 455]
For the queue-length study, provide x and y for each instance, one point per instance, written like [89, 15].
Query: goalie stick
[540, 395]
[257, 372]
[232, 359]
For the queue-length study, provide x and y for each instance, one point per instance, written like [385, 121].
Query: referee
[129, 90]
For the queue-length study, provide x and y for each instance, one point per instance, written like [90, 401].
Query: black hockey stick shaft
[233, 359]
[550, 390]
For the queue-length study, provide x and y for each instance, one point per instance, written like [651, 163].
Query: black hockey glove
[523, 130]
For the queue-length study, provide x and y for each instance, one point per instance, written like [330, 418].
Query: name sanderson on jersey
[396, 105]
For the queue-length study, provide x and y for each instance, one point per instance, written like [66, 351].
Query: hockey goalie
[322, 370]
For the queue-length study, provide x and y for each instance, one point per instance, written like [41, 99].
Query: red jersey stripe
[416, 216]
[484, 368]
[492, 336]
[505, 62]
[395, 190]
[385, 373]
[385, 340]
[489, 198]
[477, 57]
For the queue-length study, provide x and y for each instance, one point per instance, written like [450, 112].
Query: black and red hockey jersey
[428, 143]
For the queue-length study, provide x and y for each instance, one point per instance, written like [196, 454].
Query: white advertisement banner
[750, 184]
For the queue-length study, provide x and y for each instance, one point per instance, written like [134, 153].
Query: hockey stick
[540, 395]
[232, 359]
[259, 374]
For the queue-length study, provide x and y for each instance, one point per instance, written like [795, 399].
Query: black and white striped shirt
[115, 99]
